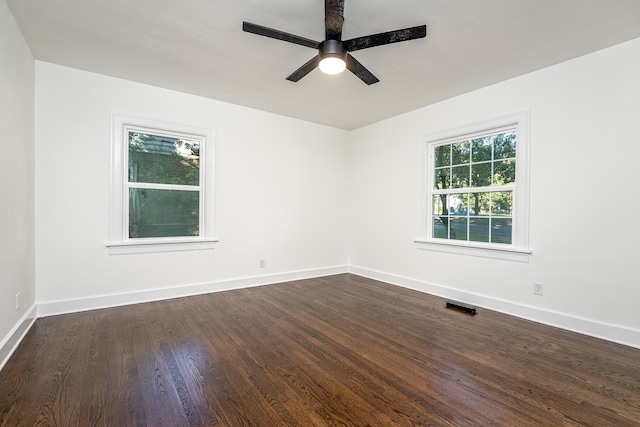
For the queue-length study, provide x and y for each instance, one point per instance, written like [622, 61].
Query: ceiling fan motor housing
[333, 49]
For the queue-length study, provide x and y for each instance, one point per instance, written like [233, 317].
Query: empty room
[319, 213]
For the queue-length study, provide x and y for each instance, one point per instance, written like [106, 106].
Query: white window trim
[118, 235]
[519, 249]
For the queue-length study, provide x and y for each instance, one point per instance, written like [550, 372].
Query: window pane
[164, 160]
[481, 149]
[438, 205]
[481, 175]
[469, 204]
[445, 204]
[442, 155]
[460, 176]
[479, 203]
[479, 229]
[442, 180]
[459, 204]
[460, 153]
[501, 230]
[504, 146]
[504, 172]
[458, 228]
[502, 203]
[163, 213]
[439, 228]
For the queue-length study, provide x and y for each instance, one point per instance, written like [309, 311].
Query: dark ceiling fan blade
[385, 38]
[333, 19]
[305, 69]
[278, 35]
[362, 73]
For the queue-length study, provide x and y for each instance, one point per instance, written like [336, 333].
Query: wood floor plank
[338, 350]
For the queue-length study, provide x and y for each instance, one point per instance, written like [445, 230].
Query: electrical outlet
[263, 263]
[538, 288]
[18, 301]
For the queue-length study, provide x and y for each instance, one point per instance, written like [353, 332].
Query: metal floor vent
[456, 305]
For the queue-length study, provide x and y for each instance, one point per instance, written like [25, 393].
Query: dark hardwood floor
[333, 351]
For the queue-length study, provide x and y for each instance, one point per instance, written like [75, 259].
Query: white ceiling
[198, 47]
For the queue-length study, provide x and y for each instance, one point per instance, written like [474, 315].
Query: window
[474, 196]
[161, 186]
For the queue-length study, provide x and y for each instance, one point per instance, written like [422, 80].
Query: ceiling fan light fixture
[333, 57]
[332, 65]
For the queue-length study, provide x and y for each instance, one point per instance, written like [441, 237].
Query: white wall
[17, 182]
[584, 205]
[279, 186]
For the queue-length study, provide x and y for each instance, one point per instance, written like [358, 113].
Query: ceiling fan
[333, 53]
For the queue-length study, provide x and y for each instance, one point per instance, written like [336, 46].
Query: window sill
[508, 253]
[155, 246]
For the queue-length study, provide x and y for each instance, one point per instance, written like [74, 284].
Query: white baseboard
[9, 344]
[610, 332]
[615, 333]
[52, 308]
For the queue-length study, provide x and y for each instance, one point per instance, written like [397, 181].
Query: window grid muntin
[491, 217]
[439, 166]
